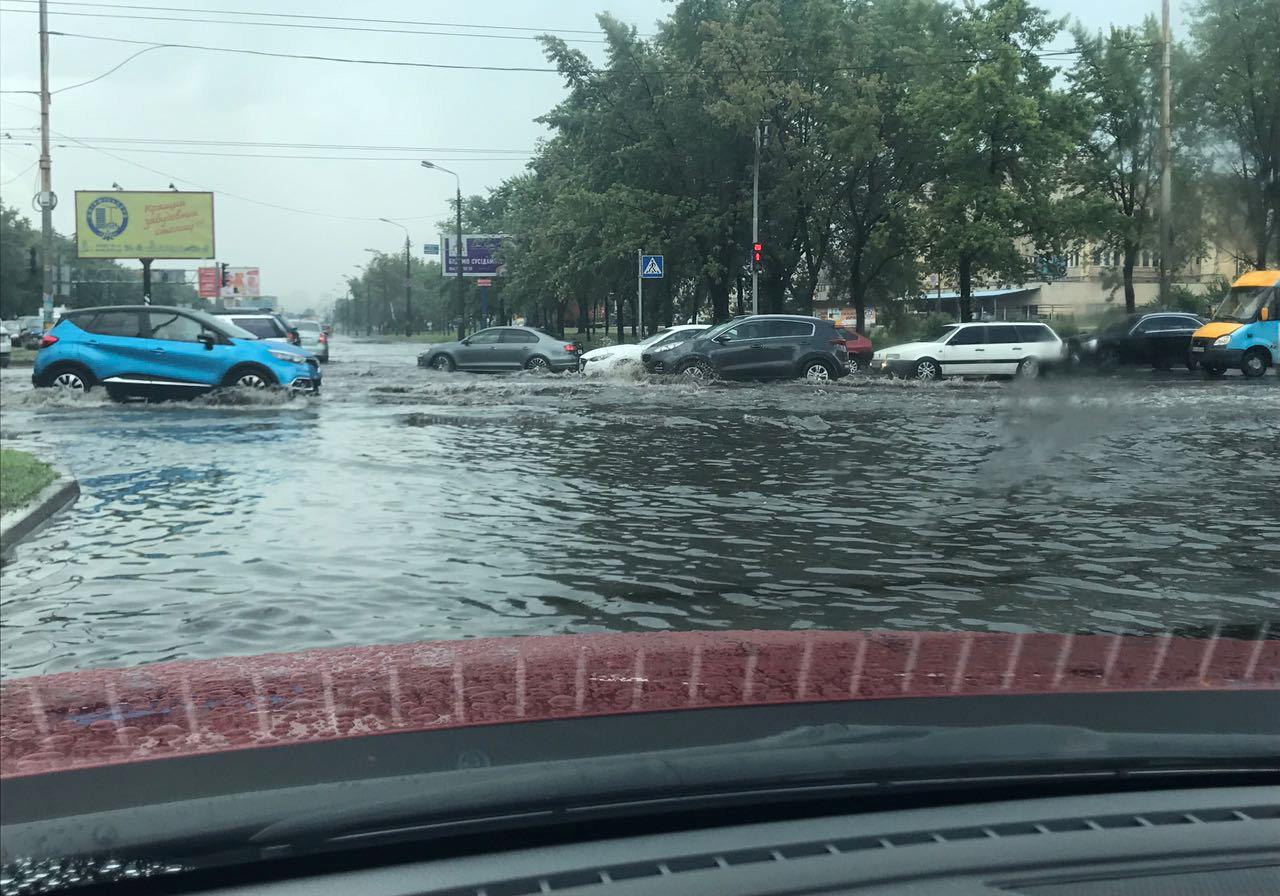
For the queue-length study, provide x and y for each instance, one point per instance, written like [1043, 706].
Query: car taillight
[570, 347]
[324, 338]
[47, 340]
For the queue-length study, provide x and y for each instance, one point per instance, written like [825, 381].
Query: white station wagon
[986, 348]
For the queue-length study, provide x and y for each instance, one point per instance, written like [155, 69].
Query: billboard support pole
[462, 317]
[146, 280]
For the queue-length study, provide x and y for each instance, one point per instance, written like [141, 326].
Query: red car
[859, 348]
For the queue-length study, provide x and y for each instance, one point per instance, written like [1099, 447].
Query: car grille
[1202, 341]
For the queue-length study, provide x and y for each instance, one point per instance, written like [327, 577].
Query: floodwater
[404, 505]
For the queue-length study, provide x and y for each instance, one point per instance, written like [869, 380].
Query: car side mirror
[466, 342]
[722, 339]
[208, 339]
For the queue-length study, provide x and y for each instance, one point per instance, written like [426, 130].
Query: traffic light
[757, 256]
[226, 276]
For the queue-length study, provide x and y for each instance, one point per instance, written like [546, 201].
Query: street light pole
[1166, 162]
[462, 322]
[408, 304]
[46, 171]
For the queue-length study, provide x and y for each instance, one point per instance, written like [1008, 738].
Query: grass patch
[21, 478]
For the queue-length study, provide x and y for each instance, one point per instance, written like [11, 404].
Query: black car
[760, 346]
[1161, 339]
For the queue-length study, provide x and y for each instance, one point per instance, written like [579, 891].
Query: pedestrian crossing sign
[651, 267]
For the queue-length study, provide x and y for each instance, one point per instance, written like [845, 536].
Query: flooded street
[405, 505]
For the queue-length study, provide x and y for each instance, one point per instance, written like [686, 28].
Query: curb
[22, 523]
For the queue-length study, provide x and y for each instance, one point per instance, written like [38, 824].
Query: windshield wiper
[844, 757]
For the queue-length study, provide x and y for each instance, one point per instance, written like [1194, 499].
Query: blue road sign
[430, 248]
[650, 267]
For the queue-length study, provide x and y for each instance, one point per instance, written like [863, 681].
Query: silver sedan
[503, 348]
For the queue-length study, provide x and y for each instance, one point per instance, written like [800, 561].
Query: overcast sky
[478, 123]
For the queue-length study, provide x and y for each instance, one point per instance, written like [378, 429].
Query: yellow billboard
[134, 224]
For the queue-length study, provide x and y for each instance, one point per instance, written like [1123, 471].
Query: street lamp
[408, 305]
[458, 181]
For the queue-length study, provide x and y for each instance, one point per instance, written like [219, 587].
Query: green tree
[1005, 133]
[1237, 70]
[1117, 77]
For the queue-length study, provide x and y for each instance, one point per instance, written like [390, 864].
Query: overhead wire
[286, 208]
[262, 144]
[300, 25]
[281, 15]
[397, 63]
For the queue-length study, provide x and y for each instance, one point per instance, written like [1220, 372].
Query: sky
[306, 222]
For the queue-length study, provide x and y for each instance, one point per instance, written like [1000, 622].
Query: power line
[311, 57]
[522, 68]
[176, 178]
[281, 15]
[256, 155]
[257, 144]
[301, 25]
[5, 183]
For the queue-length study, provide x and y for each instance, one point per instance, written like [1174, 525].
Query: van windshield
[1243, 303]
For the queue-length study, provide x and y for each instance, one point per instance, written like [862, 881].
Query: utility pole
[408, 289]
[46, 199]
[755, 224]
[1166, 161]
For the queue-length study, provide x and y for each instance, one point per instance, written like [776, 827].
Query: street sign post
[648, 267]
[430, 248]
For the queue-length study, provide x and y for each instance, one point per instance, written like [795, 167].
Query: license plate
[1197, 348]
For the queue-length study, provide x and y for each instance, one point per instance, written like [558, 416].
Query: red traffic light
[757, 252]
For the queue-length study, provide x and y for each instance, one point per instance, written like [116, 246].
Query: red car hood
[100, 717]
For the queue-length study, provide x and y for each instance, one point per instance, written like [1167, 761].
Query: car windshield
[1243, 303]
[453, 533]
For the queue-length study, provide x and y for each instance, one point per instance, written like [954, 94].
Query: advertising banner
[241, 283]
[207, 285]
[479, 255]
[133, 224]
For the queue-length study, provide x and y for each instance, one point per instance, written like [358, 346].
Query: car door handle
[979, 349]
[757, 345]
[1017, 348]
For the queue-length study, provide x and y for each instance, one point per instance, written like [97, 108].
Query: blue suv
[151, 351]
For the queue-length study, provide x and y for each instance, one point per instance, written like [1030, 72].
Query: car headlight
[892, 357]
[1091, 344]
[288, 356]
[603, 356]
[1222, 340]
[666, 348]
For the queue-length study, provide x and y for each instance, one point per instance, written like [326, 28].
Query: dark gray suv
[758, 347]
